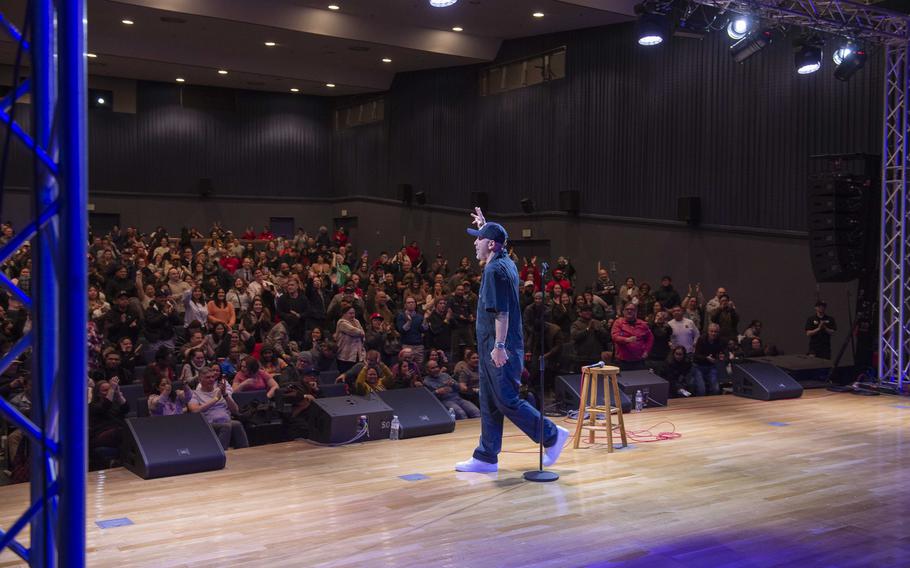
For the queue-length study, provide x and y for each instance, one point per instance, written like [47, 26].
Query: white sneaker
[476, 466]
[551, 454]
[684, 392]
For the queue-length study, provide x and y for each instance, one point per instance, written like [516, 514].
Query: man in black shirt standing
[820, 327]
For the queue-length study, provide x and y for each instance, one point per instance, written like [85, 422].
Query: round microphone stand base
[541, 475]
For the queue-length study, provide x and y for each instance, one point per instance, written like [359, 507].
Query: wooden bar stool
[590, 379]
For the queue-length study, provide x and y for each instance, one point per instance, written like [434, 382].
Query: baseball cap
[529, 282]
[376, 315]
[493, 231]
[121, 294]
[162, 292]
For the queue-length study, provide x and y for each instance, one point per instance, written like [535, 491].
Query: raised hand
[477, 215]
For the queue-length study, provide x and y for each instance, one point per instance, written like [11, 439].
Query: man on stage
[501, 351]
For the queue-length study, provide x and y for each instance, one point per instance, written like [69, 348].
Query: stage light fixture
[527, 205]
[652, 29]
[808, 59]
[442, 3]
[850, 63]
[752, 43]
[738, 27]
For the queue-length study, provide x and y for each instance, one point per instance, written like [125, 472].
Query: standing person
[819, 328]
[501, 349]
[632, 339]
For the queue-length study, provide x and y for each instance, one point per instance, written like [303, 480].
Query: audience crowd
[194, 319]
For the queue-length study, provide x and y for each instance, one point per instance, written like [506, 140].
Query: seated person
[233, 362]
[678, 372]
[440, 357]
[215, 403]
[189, 374]
[322, 356]
[161, 367]
[405, 373]
[113, 367]
[368, 381]
[252, 378]
[169, 400]
[446, 390]
[300, 394]
[197, 340]
[467, 373]
[271, 363]
[373, 358]
[106, 414]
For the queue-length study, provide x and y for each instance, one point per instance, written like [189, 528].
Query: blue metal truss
[57, 427]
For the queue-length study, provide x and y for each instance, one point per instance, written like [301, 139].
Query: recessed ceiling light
[92, 55]
[180, 79]
[270, 44]
[334, 7]
[458, 29]
[330, 85]
[295, 90]
[127, 22]
[442, 3]
[386, 60]
[222, 71]
[538, 14]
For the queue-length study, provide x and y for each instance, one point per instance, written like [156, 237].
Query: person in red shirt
[530, 271]
[266, 234]
[558, 278]
[249, 234]
[632, 339]
[340, 237]
[252, 378]
[230, 262]
[413, 252]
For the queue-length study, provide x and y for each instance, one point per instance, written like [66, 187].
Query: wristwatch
[500, 345]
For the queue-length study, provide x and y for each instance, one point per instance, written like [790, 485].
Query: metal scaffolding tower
[54, 40]
[891, 31]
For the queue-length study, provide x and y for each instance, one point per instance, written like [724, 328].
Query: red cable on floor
[637, 436]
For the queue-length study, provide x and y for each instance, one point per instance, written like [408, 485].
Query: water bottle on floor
[396, 426]
[452, 414]
[639, 401]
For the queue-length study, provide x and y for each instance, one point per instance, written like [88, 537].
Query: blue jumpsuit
[499, 386]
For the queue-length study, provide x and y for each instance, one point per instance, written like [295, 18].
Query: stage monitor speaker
[406, 193]
[337, 419]
[762, 381]
[162, 446]
[688, 210]
[568, 389]
[480, 199]
[569, 201]
[419, 411]
[420, 198]
[658, 389]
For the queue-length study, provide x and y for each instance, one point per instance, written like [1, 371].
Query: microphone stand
[540, 474]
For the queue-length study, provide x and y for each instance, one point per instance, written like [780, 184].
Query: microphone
[595, 365]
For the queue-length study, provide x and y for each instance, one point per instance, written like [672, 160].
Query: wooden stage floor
[817, 481]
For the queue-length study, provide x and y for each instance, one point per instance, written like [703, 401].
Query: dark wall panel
[273, 144]
[631, 128]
